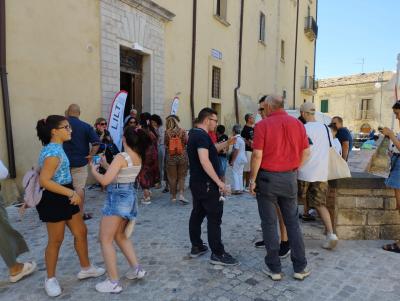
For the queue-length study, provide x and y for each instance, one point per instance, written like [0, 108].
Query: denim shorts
[121, 201]
[393, 181]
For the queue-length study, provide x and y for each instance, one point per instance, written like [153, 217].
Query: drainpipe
[315, 44]
[193, 67]
[239, 80]
[295, 56]
[4, 90]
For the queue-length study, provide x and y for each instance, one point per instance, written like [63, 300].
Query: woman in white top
[238, 160]
[120, 207]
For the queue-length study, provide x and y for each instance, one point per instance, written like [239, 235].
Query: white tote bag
[337, 168]
[3, 171]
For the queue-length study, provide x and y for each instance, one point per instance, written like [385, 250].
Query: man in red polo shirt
[280, 147]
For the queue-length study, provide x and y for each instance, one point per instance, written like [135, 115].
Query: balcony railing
[364, 114]
[309, 84]
[310, 28]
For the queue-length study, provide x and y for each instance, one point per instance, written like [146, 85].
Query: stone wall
[363, 208]
[134, 26]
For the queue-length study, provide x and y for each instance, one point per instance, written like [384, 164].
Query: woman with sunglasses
[101, 130]
[107, 145]
[59, 206]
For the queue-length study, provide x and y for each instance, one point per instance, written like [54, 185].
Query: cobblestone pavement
[356, 270]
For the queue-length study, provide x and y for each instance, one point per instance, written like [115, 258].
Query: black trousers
[206, 203]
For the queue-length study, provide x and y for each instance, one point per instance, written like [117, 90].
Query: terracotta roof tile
[360, 78]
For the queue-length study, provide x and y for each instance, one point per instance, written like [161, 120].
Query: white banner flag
[174, 106]
[116, 119]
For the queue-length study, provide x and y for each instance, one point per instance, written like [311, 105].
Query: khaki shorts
[79, 177]
[315, 193]
[247, 166]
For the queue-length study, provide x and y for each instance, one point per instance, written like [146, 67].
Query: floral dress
[150, 173]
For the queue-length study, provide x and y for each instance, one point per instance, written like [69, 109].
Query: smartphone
[96, 159]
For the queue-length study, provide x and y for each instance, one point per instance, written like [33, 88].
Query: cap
[307, 107]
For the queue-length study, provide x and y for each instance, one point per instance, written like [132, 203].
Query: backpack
[175, 147]
[33, 191]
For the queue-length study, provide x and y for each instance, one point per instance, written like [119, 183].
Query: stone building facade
[132, 53]
[278, 45]
[364, 101]
[84, 52]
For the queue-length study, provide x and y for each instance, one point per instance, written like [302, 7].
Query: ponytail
[137, 140]
[45, 126]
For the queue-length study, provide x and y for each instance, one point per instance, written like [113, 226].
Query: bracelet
[73, 193]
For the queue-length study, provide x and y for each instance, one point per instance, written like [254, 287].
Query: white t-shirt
[241, 147]
[316, 167]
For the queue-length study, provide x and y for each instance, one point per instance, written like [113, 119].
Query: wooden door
[137, 92]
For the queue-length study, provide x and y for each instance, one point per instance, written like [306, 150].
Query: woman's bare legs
[55, 233]
[78, 229]
[109, 226]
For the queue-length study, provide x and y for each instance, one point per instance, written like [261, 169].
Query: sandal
[391, 248]
[308, 218]
[237, 192]
[28, 268]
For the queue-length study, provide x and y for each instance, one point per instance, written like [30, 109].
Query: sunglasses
[103, 123]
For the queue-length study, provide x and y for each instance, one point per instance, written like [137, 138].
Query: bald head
[275, 102]
[74, 110]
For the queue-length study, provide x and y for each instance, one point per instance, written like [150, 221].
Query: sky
[350, 30]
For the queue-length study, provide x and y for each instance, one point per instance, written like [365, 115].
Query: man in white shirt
[313, 175]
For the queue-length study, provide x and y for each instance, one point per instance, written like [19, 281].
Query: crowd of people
[280, 160]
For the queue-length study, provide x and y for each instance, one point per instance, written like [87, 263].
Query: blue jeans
[121, 201]
[224, 164]
[280, 189]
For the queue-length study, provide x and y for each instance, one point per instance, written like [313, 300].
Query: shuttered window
[324, 106]
[216, 83]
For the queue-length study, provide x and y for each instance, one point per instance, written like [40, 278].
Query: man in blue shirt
[78, 151]
[344, 136]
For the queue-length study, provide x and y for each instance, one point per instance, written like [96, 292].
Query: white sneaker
[272, 275]
[108, 287]
[52, 287]
[330, 242]
[146, 201]
[137, 273]
[92, 272]
[302, 275]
